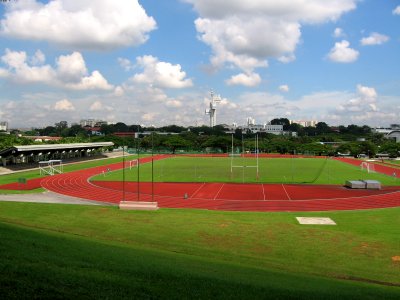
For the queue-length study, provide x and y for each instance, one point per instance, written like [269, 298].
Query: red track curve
[221, 196]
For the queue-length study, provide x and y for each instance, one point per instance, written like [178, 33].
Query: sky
[155, 62]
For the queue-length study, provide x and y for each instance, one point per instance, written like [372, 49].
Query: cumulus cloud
[64, 105]
[173, 103]
[89, 24]
[364, 101]
[342, 53]
[99, 106]
[250, 80]
[374, 39]
[69, 72]
[287, 58]
[160, 74]
[338, 32]
[125, 63]
[284, 88]
[273, 32]
[396, 11]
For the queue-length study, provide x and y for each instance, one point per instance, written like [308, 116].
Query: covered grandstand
[32, 154]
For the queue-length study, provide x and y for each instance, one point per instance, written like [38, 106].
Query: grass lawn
[271, 170]
[54, 251]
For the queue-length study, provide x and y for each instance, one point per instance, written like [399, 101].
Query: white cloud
[367, 93]
[396, 11]
[125, 63]
[71, 67]
[119, 91]
[338, 32]
[284, 88]
[89, 24]
[342, 53]
[173, 103]
[4, 73]
[287, 58]
[70, 71]
[250, 80]
[38, 59]
[149, 116]
[93, 82]
[19, 70]
[64, 105]
[374, 39]
[99, 106]
[247, 33]
[160, 74]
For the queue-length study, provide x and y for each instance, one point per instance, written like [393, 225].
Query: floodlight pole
[123, 171]
[152, 166]
[232, 156]
[138, 170]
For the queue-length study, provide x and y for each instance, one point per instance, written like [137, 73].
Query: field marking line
[263, 191]
[196, 191]
[286, 192]
[219, 191]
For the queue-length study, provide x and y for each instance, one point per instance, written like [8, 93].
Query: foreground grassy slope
[102, 252]
[271, 170]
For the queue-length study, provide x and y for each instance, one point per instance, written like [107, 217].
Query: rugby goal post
[233, 155]
[366, 166]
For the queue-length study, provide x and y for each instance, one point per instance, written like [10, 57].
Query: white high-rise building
[3, 126]
[212, 111]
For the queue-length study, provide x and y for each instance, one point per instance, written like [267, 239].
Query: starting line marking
[315, 221]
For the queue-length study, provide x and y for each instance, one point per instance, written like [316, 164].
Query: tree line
[319, 140]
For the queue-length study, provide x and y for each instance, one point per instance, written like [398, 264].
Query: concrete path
[48, 197]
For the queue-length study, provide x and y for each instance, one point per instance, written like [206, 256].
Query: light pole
[123, 171]
[152, 166]
[138, 170]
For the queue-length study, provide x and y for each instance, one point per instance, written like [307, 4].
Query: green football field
[270, 170]
[54, 251]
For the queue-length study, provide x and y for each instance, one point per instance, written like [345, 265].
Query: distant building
[43, 138]
[252, 127]
[92, 123]
[392, 132]
[305, 123]
[3, 126]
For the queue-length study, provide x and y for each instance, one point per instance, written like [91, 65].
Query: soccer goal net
[133, 164]
[366, 166]
[50, 167]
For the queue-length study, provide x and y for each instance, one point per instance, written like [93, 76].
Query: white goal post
[51, 167]
[133, 163]
[233, 155]
[366, 166]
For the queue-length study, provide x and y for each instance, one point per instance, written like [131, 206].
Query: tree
[322, 128]
[174, 142]
[281, 121]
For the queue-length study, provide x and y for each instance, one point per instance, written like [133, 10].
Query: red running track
[221, 196]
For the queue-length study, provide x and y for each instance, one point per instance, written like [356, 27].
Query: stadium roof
[15, 150]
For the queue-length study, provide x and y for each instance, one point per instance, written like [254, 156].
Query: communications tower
[212, 111]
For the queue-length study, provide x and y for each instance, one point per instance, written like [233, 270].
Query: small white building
[3, 126]
[305, 123]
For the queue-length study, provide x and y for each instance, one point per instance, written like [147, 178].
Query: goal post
[51, 167]
[133, 163]
[366, 166]
[242, 155]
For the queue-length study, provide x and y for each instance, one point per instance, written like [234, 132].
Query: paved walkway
[48, 197]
